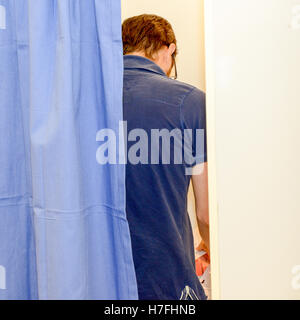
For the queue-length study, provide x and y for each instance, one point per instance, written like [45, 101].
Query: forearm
[204, 232]
[200, 186]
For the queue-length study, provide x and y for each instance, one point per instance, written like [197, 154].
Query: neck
[141, 54]
[137, 53]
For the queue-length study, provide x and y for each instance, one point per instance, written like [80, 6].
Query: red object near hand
[201, 264]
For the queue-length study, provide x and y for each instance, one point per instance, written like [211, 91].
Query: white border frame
[211, 146]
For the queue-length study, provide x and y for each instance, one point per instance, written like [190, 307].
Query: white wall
[188, 24]
[253, 88]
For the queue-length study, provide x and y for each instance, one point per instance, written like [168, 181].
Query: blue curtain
[63, 227]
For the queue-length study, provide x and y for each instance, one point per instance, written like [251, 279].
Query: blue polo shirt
[156, 194]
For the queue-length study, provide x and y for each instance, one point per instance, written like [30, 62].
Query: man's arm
[200, 186]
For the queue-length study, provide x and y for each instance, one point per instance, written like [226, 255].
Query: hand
[202, 247]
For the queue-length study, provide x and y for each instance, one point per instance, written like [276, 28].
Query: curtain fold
[63, 227]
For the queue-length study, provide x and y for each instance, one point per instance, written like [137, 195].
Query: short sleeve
[193, 120]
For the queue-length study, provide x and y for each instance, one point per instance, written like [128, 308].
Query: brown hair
[147, 33]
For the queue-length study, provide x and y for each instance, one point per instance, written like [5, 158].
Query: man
[156, 192]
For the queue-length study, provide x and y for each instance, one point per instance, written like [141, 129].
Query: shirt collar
[138, 62]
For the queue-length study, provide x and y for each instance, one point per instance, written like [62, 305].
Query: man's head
[152, 37]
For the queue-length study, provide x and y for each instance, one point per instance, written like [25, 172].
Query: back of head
[147, 34]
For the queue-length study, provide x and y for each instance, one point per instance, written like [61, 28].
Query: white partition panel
[253, 92]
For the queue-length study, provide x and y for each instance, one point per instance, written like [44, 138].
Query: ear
[172, 48]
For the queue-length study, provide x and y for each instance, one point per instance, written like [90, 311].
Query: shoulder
[193, 108]
[193, 101]
[194, 96]
[181, 93]
[178, 87]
